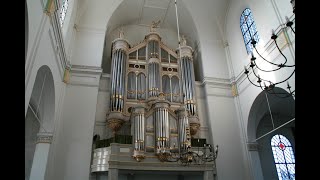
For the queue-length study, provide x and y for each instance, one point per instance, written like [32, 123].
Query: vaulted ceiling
[211, 13]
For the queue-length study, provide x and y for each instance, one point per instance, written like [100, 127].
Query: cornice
[216, 82]
[85, 75]
[86, 69]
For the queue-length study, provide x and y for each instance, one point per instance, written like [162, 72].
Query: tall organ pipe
[120, 81]
[162, 129]
[120, 47]
[139, 121]
[112, 77]
[183, 126]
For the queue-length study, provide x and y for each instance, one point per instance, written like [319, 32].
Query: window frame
[248, 29]
[281, 146]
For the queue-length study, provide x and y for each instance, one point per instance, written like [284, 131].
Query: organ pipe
[139, 133]
[119, 57]
[162, 129]
[183, 129]
[188, 87]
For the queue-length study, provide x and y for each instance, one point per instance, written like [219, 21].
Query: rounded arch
[262, 126]
[42, 100]
[259, 109]
[40, 113]
[135, 25]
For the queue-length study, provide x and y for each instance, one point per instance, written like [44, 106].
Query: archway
[39, 123]
[263, 124]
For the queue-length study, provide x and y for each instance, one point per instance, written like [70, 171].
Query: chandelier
[263, 83]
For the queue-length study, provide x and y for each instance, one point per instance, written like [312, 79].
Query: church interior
[159, 89]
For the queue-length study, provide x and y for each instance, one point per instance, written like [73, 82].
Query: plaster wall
[41, 52]
[224, 125]
[210, 39]
[73, 154]
[266, 16]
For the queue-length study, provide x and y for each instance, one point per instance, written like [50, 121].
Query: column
[208, 175]
[40, 157]
[113, 174]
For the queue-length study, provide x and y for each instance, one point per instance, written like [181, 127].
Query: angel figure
[121, 33]
[154, 25]
[183, 40]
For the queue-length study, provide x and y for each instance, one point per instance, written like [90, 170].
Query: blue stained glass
[244, 28]
[252, 32]
[249, 20]
[241, 19]
[283, 157]
[248, 29]
[247, 11]
[247, 38]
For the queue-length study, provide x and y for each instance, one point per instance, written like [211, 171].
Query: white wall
[73, 154]
[225, 128]
[91, 25]
[102, 106]
[268, 15]
[266, 19]
[211, 41]
[42, 51]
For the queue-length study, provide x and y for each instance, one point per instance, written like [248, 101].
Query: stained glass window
[283, 157]
[63, 11]
[248, 29]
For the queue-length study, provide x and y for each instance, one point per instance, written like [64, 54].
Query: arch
[42, 98]
[40, 113]
[283, 156]
[261, 123]
[135, 29]
[259, 108]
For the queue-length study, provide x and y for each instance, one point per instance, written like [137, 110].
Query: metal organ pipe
[119, 56]
[120, 80]
[112, 77]
[183, 125]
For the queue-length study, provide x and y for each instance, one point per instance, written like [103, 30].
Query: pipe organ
[153, 89]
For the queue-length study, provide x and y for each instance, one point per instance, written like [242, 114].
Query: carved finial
[183, 40]
[154, 25]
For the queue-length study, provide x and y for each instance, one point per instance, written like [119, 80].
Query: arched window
[63, 11]
[248, 29]
[283, 157]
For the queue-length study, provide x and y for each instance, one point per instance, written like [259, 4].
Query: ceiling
[142, 13]
[192, 15]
